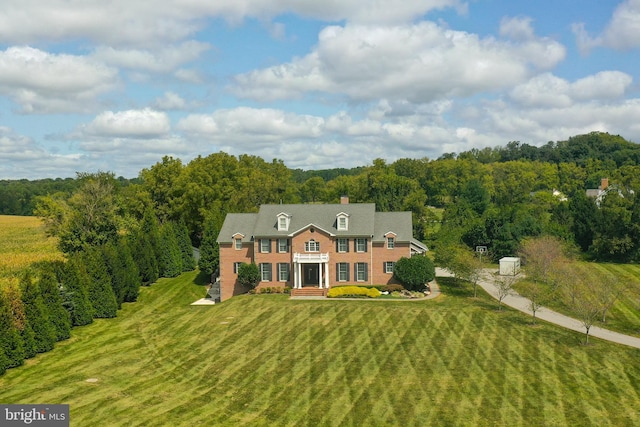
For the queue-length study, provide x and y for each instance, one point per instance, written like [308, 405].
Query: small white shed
[509, 266]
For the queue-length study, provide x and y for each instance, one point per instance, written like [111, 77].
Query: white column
[320, 275]
[326, 275]
[299, 274]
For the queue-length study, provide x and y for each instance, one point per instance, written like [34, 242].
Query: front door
[311, 274]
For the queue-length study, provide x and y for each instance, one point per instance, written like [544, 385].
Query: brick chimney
[344, 200]
[604, 183]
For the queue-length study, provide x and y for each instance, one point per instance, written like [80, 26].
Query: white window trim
[357, 244]
[391, 242]
[345, 249]
[388, 270]
[286, 246]
[262, 251]
[281, 271]
[357, 271]
[237, 243]
[312, 246]
[263, 271]
[342, 226]
[346, 271]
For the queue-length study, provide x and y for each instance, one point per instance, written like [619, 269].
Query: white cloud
[622, 31]
[26, 159]
[145, 123]
[419, 62]
[252, 125]
[547, 90]
[160, 60]
[518, 28]
[41, 82]
[170, 101]
[143, 23]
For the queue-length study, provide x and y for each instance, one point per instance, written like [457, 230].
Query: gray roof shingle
[363, 221]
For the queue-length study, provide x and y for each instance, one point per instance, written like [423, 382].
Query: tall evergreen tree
[37, 314]
[10, 339]
[16, 307]
[75, 292]
[58, 315]
[115, 270]
[145, 258]
[101, 295]
[186, 249]
[209, 250]
[131, 272]
[170, 255]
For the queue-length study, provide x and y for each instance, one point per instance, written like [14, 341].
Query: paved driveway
[521, 303]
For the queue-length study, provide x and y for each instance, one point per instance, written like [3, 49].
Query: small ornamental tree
[415, 272]
[248, 275]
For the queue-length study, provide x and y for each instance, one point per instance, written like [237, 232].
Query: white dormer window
[391, 239]
[283, 221]
[342, 220]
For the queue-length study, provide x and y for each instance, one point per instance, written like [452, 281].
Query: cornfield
[22, 242]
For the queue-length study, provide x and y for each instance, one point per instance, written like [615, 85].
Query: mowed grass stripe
[267, 360]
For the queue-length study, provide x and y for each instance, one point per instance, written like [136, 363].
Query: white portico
[310, 269]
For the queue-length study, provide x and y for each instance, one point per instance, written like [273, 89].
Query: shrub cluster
[353, 291]
[272, 290]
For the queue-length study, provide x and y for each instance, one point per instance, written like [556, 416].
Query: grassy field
[266, 360]
[624, 317]
[22, 242]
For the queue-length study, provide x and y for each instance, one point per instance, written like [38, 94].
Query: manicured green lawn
[624, 317]
[267, 360]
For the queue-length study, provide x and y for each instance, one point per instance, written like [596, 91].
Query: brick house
[307, 246]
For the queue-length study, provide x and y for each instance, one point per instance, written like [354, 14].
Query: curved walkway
[521, 303]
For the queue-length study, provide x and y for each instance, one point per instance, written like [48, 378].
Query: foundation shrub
[353, 291]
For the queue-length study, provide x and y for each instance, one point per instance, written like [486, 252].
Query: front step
[310, 291]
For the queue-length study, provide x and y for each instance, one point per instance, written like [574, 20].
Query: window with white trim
[360, 270]
[265, 272]
[283, 221]
[265, 245]
[238, 243]
[236, 267]
[361, 244]
[342, 271]
[312, 246]
[283, 272]
[283, 245]
[388, 267]
[391, 242]
[342, 245]
[342, 223]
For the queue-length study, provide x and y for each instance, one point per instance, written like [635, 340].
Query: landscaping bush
[352, 291]
[391, 288]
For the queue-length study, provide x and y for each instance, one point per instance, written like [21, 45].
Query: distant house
[599, 193]
[306, 246]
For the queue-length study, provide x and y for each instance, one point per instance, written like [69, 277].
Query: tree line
[492, 197]
[108, 257]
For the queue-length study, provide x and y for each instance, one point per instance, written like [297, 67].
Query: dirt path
[522, 304]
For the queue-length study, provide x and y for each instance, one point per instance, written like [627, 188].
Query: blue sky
[114, 86]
